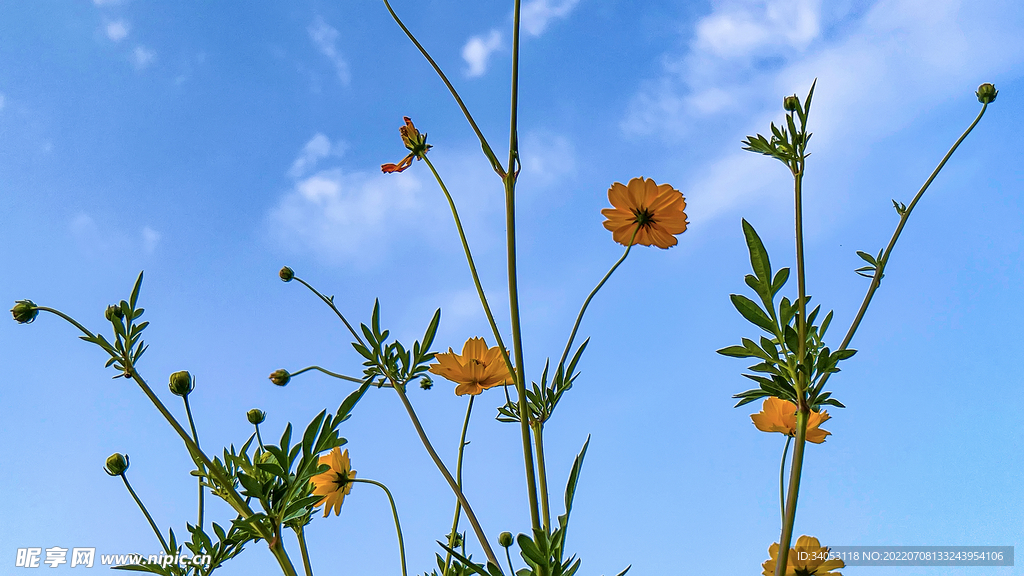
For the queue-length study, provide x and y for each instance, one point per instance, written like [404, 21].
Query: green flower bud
[987, 93]
[456, 540]
[791, 103]
[505, 539]
[280, 377]
[286, 274]
[117, 464]
[24, 311]
[426, 383]
[182, 383]
[256, 416]
[113, 311]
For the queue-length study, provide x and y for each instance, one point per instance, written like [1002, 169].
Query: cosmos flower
[475, 370]
[653, 212]
[779, 415]
[808, 558]
[415, 142]
[335, 483]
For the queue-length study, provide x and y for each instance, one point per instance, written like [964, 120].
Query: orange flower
[807, 559]
[779, 415]
[335, 483]
[654, 212]
[477, 369]
[414, 141]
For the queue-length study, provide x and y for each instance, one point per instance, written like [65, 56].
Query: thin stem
[152, 524]
[301, 535]
[794, 489]
[481, 537]
[483, 141]
[394, 512]
[579, 317]
[782, 475]
[472, 267]
[508, 557]
[330, 302]
[195, 436]
[542, 477]
[458, 480]
[259, 438]
[328, 372]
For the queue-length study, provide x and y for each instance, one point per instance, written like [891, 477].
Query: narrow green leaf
[736, 352]
[779, 281]
[135, 293]
[752, 312]
[758, 255]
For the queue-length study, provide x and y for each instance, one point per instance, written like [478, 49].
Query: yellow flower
[475, 370]
[779, 415]
[414, 141]
[807, 559]
[653, 211]
[335, 483]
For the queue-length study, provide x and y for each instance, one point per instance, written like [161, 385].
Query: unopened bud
[280, 377]
[256, 416]
[426, 383]
[987, 93]
[286, 274]
[24, 311]
[117, 464]
[791, 103]
[113, 311]
[181, 383]
[505, 539]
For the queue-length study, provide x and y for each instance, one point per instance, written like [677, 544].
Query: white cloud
[317, 148]
[478, 50]
[891, 63]
[547, 157]
[325, 38]
[142, 57]
[117, 30]
[536, 14]
[150, 238]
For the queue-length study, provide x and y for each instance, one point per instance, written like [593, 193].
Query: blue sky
[210, 145]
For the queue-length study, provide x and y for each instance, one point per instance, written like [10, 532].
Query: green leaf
[833, 402]
[530, 552]
[135, 294]
[753, 313]
[758, 255]
[736, 352]
[428, 337]
[375, 320]
[779, 281]
[350, 402]
[624, 571]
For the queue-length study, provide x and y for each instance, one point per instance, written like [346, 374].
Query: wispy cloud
[537, 14]
[325, 37]
[889, 64]
[117, 30]
[478, 50]
[547, 158]
[142, 57]
[318, 148]
[150, 238]
[94, 240]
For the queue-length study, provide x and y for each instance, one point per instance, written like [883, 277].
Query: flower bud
[113, 311]
[457, 540]
[505, 539]
[987, 93]
[286, 274]
[181, 383]
[256, 416]
[426, 383]
[24, 311]
[117, 464]
[791, 103]
[280, 377]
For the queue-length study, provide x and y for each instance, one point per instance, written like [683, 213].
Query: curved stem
[330, 302]
[579, 317]
[483, 141]
[877, 279]
[782, 474]
[195, 436]
[301, 535]
[394, 512]
[472, 267]
[152, 524]
[328, 372]
[481, 537]
[508, 557]
[458, 480]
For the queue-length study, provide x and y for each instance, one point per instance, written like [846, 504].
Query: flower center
[644, 217]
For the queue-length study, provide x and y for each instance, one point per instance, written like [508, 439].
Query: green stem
[794, 489]
[579, 317]
[782, 484]
[876, 280]
[472, 267]
[538, 438]
[394, 512]
[477, 529]
[330, 302]
[483, 141]
[508, 557]
[259, 438]
[328, 372]
[152, 524]
[458, 480]
[195, 436]
[301, 535]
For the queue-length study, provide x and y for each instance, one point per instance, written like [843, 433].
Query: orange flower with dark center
[335, 483]
[808, 558]
[475, 370]
[779, 415]
[414, 141]
[653, 212]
